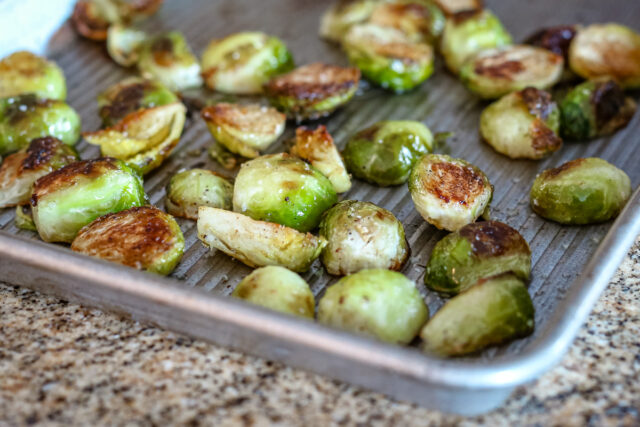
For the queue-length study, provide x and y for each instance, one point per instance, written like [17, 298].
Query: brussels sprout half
[419, 20]
[313, 91]
[361, 236]
[169, 59]
[257, 243]
[494, 73]
[607, 50]
[24, 219]
[69, 198]
[449, 193]
[144, 238]
[387, 57]
[522, 125]
[278, 289]
[582, 191]
[124, 44]
[131, 95]
[595, 108]
[244, 129]
[466, 34]
[492, 312]
[190, 189]
[243, 62]
[143, 139]
[283, 189]
[25, 117]
[317, 147]
[26, 73]
[379, 303]
[92, 18]
[384, 153]
[20, 170]
[343, 14]
[476, 251]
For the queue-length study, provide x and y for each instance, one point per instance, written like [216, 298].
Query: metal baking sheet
[565, 282]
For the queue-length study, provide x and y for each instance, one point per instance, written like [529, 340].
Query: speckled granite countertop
[64, 364]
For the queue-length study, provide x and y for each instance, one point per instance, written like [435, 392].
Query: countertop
[65, 364]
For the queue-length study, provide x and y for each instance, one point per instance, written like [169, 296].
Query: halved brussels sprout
[607, 50]
[190, 189]
[131, 95]
[243, 62]
[143, 237]
[459, 7]
[384, 153]
[20, 170]
[244, 129]
[361, 236]
[387, 57]
[317, 147]
[124, 44]
[421, 21]
[25, 117]
[24, 219]
[343, 14]
[379, 303]
[582, 191]
[494, 73]
[595, 108]
[92, 18]
[477, 251]
[466, 34]
[449, 193]
[492, 312]
[26, 73]
[69, 198]
[278, 289]
[283, 189]
[169, 59]
[313, 91]
[522, 125]
[143, 139]
[257, 243]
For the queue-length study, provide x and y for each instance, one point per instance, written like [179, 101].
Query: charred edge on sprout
[454, 183]
[493, 238]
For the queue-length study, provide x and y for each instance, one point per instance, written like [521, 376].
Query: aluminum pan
[469, 385]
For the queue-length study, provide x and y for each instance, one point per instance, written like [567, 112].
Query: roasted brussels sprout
[124, 44]
[131, 95]
[460, 8]
[317, 147]
[283, 189]
[69, 198]
[421, 21]
[143, 237]
[522, 125]
[388, 57]
[168, 59]
[595, 108]
[92, 18]
[26, 73]
[343, 14]
[494, 73]
[312, 91]
[25, 117]
[449, 193]
[190, 189]
[257, 243]
[492, 312]
[556, 39]
[607, 50]
[20, 170]
[143, 139]
[278, 289]
[24, 219]
[466, 34]
[477, 251]
[384, 153]
[244, 129]
[361, 236]
[243, 62]
[379, 303]
[582, 191]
